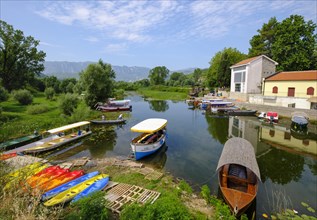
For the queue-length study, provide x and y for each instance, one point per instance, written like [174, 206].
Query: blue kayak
[65, 186]
[98, 185]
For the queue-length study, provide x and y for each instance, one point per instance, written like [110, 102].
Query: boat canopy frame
[239, 151]
[150, 125]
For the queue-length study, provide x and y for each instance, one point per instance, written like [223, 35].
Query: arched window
[275, 89]
[310, 91]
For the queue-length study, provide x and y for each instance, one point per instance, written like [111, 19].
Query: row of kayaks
[56, 185]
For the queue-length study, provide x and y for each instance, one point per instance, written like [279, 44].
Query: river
[288, 163]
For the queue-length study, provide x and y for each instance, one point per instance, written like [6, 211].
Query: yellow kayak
[73, 191]
[23, 173]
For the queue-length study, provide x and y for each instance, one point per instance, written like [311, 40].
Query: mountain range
[64, 69]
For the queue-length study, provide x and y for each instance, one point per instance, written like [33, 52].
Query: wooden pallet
[155, 175]
[124, 194]
[80, 162]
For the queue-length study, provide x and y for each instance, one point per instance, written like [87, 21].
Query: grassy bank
[164, 92]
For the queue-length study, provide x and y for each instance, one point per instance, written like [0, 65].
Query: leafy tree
[23, 96]
[261, 44]
[98, 81]
[292, 43]
[295, 44]
[70, 87]
[20, 60]
[68, 103]
[49, 93]
[158, 75]
[197, 74]
[53, 82]
[63, 87]
[219, 72]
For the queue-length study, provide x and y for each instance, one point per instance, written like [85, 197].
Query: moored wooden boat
[115, 121]
[239, 112]
[300, 122]
[152, 138]
[14, 143]
[238, 174]
[61, 136]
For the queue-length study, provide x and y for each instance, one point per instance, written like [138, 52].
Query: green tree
[261, 44]
[23, 96]
[197, 74]
[4, 95]
[20, 60]
[64, 85]
[68, 103]
[295, 44]
[219, 72]
[53, 82]
[158, 75]
[98, 82]
[49, 93]
[292, 43]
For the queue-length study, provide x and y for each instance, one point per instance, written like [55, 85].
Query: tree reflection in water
[158, 105]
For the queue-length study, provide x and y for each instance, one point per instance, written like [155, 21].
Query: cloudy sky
[175, 34]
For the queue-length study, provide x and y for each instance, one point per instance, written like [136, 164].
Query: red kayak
[7, 156]
[61, 180]
[47, 177]
[46, 171]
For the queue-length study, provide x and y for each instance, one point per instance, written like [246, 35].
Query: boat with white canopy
[61, 136]
[152, 138]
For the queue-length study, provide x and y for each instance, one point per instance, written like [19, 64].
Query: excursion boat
[115, 105]
[70, 193]
[299, 122]
[238, 175]
[271, 117]
[14, 143]
[152, 138]
[61, 136]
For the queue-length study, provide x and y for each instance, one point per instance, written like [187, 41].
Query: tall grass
[164, 92]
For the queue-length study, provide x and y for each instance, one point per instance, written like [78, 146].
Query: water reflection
[158, 105]
[218, 127]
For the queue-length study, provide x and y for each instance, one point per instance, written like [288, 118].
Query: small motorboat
[300, 122]
[152, 138]
[14, 143]
[238, 174]
[240, 112]
[270, 117]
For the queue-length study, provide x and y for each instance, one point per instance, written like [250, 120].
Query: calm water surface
[194, 145]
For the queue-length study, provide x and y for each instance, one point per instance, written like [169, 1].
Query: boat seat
[152, 139]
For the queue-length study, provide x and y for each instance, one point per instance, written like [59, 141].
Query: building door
[291, 91]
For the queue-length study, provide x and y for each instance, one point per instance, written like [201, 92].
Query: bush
[4, 95]
[68, 103]
[49, 93]
[37, 109]
[23, 96]
[91, 207]
[81, 113]
[168, 207]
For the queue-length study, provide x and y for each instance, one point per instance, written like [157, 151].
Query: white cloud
[48, 44]
[115, 48]
[92, 39]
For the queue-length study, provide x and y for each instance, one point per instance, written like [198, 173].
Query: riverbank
[175, 195]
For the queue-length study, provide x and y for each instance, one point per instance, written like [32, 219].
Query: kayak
[47, 177]
[67, 185]
[70, 193]
[7, 156]
[96, 186]
[23, 173]
[37, 175]
[61, 180]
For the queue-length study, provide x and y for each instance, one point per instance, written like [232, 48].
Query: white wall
[279, 101]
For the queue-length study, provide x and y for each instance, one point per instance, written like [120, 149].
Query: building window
[275, 89]
[310, 91]
[237, 87]
[239, 76]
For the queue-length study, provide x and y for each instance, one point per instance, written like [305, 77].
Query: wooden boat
[70, 193]
[61, 136]
[96, 186]
[115, 121]
[11, 144]
[239, 112]
[152, 138]
[61, 180]
[53, 192]
[114, 105]
[300, 122]
[238, 174]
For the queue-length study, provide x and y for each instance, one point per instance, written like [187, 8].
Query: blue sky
[175, 34]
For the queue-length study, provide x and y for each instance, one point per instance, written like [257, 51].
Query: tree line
[291, 42]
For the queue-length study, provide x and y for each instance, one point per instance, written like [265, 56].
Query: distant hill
[64, 69]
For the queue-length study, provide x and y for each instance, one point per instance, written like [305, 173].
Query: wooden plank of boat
[238, 174]
[115, 121]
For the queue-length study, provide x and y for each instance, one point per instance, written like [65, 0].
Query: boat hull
[121, 121]
[12, 144]
[241, 112]
[143, 150]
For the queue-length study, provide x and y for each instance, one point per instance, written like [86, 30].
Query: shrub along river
[287, 161]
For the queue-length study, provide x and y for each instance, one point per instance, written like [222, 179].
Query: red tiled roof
[294, 76]
[246, 61]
